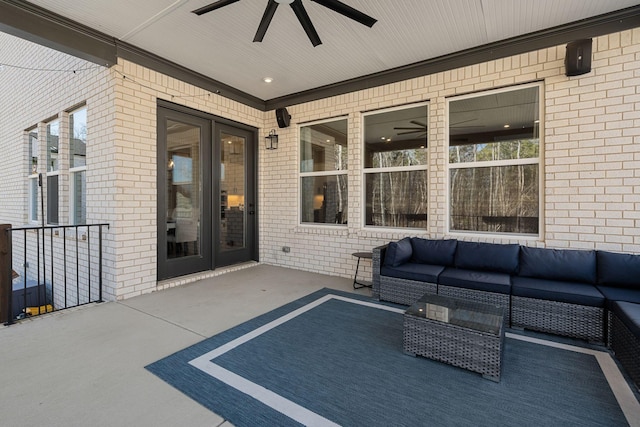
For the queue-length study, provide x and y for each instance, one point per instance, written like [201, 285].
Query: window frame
[539, 160]
[54, 172]
[32, 176]
[366, 171]
[301, 175]
[76, 170]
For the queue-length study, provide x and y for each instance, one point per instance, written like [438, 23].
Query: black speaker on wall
[283, 117]
[577, 60]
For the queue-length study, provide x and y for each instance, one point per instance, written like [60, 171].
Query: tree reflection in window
[494, 167]
[395, 174]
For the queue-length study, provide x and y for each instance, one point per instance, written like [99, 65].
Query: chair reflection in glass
[182, 235]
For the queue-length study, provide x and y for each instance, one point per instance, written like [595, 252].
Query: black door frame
[211, 188]
[230, 257]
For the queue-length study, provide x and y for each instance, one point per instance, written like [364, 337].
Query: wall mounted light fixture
[271, 140]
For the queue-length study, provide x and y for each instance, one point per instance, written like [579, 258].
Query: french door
[206, 193]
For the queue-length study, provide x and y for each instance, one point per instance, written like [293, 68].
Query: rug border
[621, 389]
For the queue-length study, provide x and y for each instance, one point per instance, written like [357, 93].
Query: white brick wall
[30, 98]
[591, 168]
[591, 155]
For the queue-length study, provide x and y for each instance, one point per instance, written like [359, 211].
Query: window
[32, 172]
[78, 164]
[53, 142]
[395, 167]
[323, 172]
[494, 161]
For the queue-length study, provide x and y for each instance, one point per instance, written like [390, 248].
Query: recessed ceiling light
[506, 126]
[267, 80]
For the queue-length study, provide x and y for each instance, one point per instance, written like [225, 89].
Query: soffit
[218, 45]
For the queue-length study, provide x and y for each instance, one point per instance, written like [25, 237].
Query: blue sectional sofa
[587, 294]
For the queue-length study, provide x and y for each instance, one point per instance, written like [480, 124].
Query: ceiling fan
[301, 14]
[421, 128]
[455, 125]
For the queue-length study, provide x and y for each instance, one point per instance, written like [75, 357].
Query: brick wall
[591, 157]
[591, 153]
[31, 96]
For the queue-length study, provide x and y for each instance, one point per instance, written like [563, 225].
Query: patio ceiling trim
[33, 23]
[164, 66]
[623, 19]
[46, 28]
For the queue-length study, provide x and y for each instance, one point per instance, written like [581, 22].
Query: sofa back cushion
[434, 252]
[487, 257]
[398, 252]
[558, 264]
[618, 270]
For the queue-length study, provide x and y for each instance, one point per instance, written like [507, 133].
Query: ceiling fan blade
[348, 11]
[417, 123]
[213, 6]
[303, 17]
[269, 11]
[464, 121]
[413, 131]
[403, 128]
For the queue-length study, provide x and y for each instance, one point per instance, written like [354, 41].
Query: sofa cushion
[414, 271]
[552, 290]
[472, 279]
[434, 252]
[629, 314]
[558, 264]
[619, 294]
[487, 257]
[398, 252]
[620, 270]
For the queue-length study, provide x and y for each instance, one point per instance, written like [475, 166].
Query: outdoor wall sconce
[271, 140]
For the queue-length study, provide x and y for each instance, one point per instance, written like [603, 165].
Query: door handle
[252, 212]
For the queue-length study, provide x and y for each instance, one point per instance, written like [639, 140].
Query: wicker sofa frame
[573, 320]
[626, 347]
[593, 323]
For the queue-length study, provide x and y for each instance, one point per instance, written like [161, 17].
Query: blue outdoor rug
[334, 358]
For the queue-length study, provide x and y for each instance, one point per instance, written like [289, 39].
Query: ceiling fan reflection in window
[421, 128]
[301, 14]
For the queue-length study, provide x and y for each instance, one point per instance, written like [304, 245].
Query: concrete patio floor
[85, 366]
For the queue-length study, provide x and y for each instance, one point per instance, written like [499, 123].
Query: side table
[356, 283]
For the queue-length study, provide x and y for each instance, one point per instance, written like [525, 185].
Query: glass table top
[481, 317]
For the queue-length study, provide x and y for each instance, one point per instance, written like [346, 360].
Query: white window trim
[33, 201]
[492, 163]
[72, 191]
[365, 171]
[538, 160]
[318, 173]
[77, 169]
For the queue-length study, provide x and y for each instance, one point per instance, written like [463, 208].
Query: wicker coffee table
[462, 333]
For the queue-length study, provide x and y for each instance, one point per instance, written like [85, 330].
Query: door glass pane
[183, 189]
[232, 192]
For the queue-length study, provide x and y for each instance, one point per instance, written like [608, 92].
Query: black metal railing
[52, 267]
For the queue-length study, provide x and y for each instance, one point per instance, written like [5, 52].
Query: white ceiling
[219, 44]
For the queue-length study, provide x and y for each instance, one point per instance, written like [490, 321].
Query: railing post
[6, 289]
